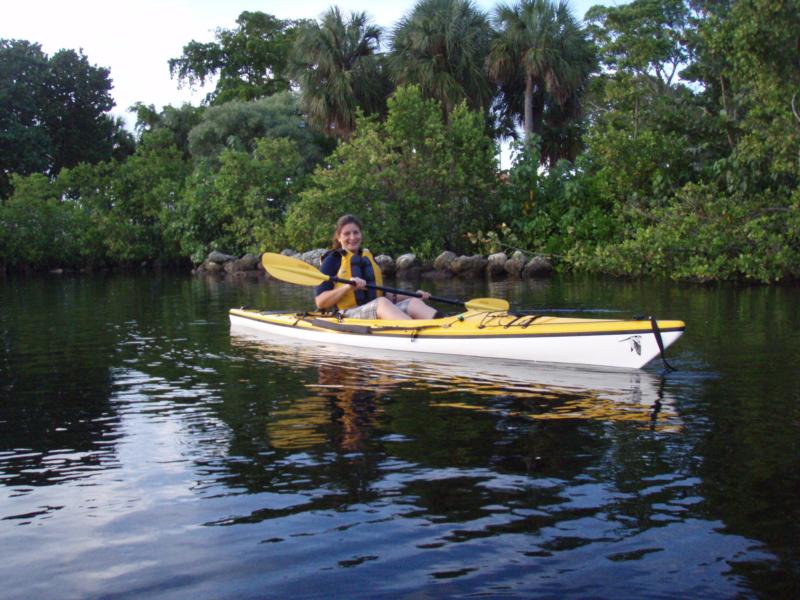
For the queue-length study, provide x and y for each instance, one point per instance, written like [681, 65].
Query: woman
[347, 260]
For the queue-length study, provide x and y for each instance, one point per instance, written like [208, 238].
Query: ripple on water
[197, 465]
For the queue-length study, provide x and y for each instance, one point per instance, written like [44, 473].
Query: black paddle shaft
[396, 291]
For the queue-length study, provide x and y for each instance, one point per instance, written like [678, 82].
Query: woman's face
[350, 237]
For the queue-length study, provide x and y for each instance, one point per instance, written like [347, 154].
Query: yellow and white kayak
[628, 344]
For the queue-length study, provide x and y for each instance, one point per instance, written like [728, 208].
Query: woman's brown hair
[340, 224]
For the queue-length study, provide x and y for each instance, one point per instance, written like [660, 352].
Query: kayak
[616, 343]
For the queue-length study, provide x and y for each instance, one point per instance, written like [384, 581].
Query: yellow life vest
[346, 272]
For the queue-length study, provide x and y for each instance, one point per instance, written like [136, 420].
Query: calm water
[144, 451]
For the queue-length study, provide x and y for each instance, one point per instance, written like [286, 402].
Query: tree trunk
[528, 106]
[729, 117]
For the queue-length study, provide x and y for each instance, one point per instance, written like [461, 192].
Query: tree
[239, 125]
[34, 226]
[703, 177]
[541, 49]
[179, 121]
[78, 96]
[651, 127]
[123, 144]
[24, 146]
[53, 112]
[144, 192]
[240, 208]
[645, 48]
[442, 47]
[418, 182]
[747, 59]
[562, 126]
[337, 65]
[130, 206]
[251, 60]
[646, 138]
[647, 38]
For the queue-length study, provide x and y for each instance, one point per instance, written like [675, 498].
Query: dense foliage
[44, 101]
[421, 184]
[660, 138]
[692, 158]
[239, 208]
[238, 125]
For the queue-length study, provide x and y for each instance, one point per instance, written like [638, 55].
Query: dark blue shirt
[330, 266]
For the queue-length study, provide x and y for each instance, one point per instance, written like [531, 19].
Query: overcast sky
[136, 39]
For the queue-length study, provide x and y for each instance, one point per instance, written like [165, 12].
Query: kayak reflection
[344, 397]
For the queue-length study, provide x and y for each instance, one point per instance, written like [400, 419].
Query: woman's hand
[331, 297]
[424, 295]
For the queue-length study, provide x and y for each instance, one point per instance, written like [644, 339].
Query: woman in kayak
[348, 260]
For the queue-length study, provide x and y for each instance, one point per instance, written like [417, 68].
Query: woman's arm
[331, 297]
[400, 297]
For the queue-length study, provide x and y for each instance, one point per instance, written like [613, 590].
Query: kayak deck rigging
[484, 322]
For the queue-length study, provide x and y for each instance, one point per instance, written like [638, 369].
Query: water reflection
[461, 472]
[142, 452]
[344, 396]
[349, 385]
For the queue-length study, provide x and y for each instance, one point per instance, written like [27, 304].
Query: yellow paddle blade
[487, 304]
[292, 270]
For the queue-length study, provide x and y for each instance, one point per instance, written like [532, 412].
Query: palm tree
[442, 47]
[543, 56]
[339, 70]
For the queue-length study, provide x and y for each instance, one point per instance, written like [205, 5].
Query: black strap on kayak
[324, 323]
[489, 317]
[512, 321]
[303, 316]
[660, 342]
[343, 327]
[414, 329]
[531, 320]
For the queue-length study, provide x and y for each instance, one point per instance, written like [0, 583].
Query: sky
[136, 39]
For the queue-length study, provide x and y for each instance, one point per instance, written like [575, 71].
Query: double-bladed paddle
[294, 270]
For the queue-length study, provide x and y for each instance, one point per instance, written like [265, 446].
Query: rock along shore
[406, 266]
